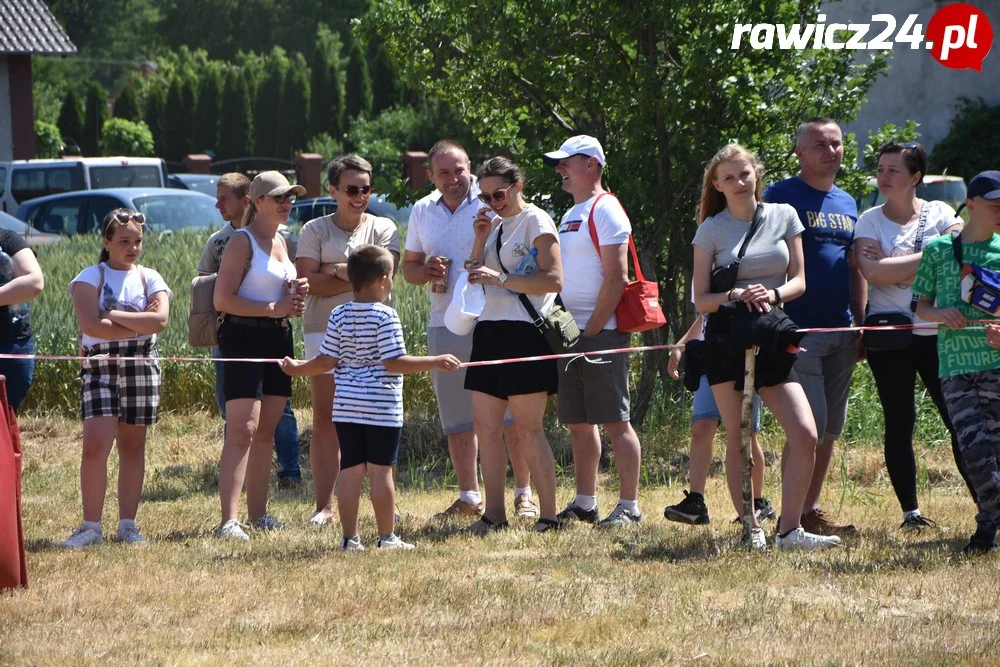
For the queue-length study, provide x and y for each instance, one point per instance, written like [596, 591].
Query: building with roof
[27, 28]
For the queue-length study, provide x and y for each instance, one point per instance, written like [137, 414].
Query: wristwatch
[777, 297]
[502, 278]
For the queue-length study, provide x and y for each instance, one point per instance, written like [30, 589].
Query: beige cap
[271, 183]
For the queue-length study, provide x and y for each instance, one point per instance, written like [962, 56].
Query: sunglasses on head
[123, 217]
[355, 190]
[497, 196]
[910, 146]
[281, 199]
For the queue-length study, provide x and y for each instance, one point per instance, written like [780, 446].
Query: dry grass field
[659, 594]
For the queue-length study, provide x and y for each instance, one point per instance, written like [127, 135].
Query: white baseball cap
[581, 144]
[467, 304]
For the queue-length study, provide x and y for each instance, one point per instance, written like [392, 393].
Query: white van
[22, 180]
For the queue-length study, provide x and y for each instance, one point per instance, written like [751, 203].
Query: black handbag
[724, 277]
[694, 364]
[893, 340]
[558, 327]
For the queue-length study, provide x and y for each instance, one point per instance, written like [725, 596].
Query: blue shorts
[704, 406]
[362, 443]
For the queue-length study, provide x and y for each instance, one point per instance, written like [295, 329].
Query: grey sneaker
[393, 542]
[575, 513]
[756, 541]
[232, 530]
[351, 544]
[130, 535]
[267, 523]
[800, 539]
[619, 518]
[82, 537]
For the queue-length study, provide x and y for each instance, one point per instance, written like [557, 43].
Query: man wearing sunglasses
[232, 201]
[594, 278]
[835, 294]
[440, 228]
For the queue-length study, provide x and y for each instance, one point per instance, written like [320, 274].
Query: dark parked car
[203, 183]
[305, 210]
[167, 210]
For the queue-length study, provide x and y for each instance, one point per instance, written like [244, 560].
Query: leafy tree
[968, 149]
[293, 110]
[326, 106]
[71, 117]
[386, 88]
[658, 84]
[179, 123]
[126, 137]
[206, 127]
[48, 142]
[96, 112]
[359, 84]
[236, 124]
[127, 104]
[155, 117]
[267, 118]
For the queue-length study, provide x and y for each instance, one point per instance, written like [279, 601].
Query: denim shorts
[704, 406]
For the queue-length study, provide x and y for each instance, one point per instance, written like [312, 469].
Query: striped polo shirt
[361, 336]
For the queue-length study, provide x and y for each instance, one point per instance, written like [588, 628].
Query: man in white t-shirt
[440, 226]
[232, 200]
[593, 240]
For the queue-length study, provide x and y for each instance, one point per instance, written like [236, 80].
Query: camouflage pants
[973, 401]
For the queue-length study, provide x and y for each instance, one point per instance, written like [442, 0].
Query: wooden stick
[746, 434]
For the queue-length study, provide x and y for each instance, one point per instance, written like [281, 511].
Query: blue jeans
[19, 372]
[286, 434]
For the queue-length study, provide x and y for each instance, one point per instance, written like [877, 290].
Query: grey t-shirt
[766, 259]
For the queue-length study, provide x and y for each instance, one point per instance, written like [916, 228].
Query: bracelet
[777, 297]
[729, 294]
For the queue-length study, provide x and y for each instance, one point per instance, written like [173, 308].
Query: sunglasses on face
[281, 199]
[497, 196]
[355, 190]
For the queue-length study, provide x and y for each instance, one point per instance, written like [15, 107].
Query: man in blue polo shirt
[835, 296]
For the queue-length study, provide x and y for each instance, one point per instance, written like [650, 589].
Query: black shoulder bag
[558, 327]
[891, 340]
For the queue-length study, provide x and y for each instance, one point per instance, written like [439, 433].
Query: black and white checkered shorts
[128, 390]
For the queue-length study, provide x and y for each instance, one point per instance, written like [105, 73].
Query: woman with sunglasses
[516, 251]
[256, 292]
[770, 272]
[890, 240]
[21, 281]
[324, 246]
[120, 307]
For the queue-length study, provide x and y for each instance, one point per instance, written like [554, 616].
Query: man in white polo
[440, 226]
[593, 242]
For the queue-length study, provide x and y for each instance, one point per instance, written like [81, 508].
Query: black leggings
[895, 377]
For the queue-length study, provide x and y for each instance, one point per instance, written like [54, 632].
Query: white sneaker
[393, 542]
[351, 544]
[757, 541]
[232, 530]
[267, 523]
[319, 518]
[130, 535]
[82, 537]
[800, 539]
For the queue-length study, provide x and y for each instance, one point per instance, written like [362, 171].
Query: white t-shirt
[122, 290]
[360, 336]
[434, 231]
[323, 241]
[518, 238]
[583, 271]
[898, 241]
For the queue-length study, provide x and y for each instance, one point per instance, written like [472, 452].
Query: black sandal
[545, 525]
[491, 526]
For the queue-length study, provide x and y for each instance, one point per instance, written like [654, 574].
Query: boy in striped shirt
[364, 343]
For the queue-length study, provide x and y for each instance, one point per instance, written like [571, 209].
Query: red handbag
[639, 308]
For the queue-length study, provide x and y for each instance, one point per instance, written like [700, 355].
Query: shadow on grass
[672, 548]
[40, 545]
[178, 482]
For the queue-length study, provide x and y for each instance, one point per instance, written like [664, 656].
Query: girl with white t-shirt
[120, 307]
[520, 236]
[890, 239]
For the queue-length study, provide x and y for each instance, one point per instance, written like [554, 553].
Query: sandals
[545, 525]
[486, 525]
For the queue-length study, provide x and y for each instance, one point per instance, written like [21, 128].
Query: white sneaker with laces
[232, 530]
[393, 542]
[352, 544]
[757, 541]
[82, 537]
[267, 523]
[130, 535]
[800, 539]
